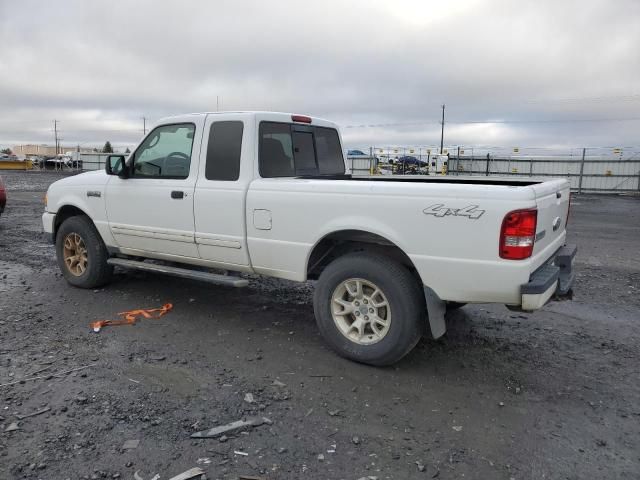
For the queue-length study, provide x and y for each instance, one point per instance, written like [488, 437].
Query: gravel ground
[550, 395]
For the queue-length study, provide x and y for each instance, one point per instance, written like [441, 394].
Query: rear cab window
[291, 150]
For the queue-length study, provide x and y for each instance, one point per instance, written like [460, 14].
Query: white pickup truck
[266, 193]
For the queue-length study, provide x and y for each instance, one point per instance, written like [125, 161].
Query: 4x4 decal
[439, 210]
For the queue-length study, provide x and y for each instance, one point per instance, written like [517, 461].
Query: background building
[32, 150]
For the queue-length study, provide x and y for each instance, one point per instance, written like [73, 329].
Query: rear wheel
[369, 308]
[81, 253]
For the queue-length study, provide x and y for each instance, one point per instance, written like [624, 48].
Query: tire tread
[99, 271]
[401, 280]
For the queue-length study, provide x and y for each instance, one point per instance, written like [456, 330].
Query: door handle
[177, 194]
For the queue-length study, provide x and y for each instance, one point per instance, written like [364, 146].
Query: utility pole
[217, 103]
[442, 131]
[55, 134]
[144, 126]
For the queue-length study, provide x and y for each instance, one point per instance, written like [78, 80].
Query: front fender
[92, 206]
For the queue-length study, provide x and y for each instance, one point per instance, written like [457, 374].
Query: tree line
[109, 149]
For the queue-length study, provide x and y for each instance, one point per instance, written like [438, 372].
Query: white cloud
[99, 66]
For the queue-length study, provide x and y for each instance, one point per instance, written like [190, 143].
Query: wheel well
[342, 242]
[66, 212]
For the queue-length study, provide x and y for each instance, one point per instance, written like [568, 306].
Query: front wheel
[81, 253]
[369, 308]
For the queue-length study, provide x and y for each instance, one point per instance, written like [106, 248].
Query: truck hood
[68, 187]
[96, 177]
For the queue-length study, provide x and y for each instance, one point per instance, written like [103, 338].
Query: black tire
[97, 272]
[404, 295]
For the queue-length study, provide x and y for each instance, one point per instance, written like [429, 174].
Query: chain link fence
[81, 162]
[597, 170]
[593, 169]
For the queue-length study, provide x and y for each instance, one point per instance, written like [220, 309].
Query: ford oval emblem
[556, 223]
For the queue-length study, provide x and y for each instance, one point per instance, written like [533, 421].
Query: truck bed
[452, 252]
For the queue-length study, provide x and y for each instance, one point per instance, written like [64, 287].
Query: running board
[215, 278]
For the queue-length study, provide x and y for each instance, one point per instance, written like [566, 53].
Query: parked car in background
[408, 165]
[60, 161]
[356, 153]
[3, 195]
[385, 169]
[410, 160]
[35, 160]
[361, 154]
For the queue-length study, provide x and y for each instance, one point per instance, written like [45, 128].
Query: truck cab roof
[259, 116]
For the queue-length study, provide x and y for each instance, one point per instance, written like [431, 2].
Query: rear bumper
[554, 278]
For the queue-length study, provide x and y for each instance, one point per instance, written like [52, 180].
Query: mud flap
[436, 308]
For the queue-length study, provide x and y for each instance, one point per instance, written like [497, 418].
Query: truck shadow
[479, 344]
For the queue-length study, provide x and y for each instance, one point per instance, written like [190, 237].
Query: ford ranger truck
[266, 193]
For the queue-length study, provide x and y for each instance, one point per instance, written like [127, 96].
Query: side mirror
[116, 165]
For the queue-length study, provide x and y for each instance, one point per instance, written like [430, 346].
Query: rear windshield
[291, 150]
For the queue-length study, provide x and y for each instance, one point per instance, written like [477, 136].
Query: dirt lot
[551, 395]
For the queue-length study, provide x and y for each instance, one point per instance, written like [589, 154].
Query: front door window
[165, 153]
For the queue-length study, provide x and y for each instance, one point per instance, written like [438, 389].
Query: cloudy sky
[553, 73]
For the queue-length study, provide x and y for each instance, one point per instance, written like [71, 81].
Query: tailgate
[552, 199]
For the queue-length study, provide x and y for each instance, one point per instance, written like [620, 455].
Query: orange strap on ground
[130, 317]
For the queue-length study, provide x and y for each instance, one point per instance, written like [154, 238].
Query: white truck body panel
[451, 253]
[219, 206]
[449, 229]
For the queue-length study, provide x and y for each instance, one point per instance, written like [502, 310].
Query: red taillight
[301, 118]
[518, 234]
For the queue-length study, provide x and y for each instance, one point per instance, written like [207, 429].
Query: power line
[551, 120]
[475, 122]
[633, 97]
